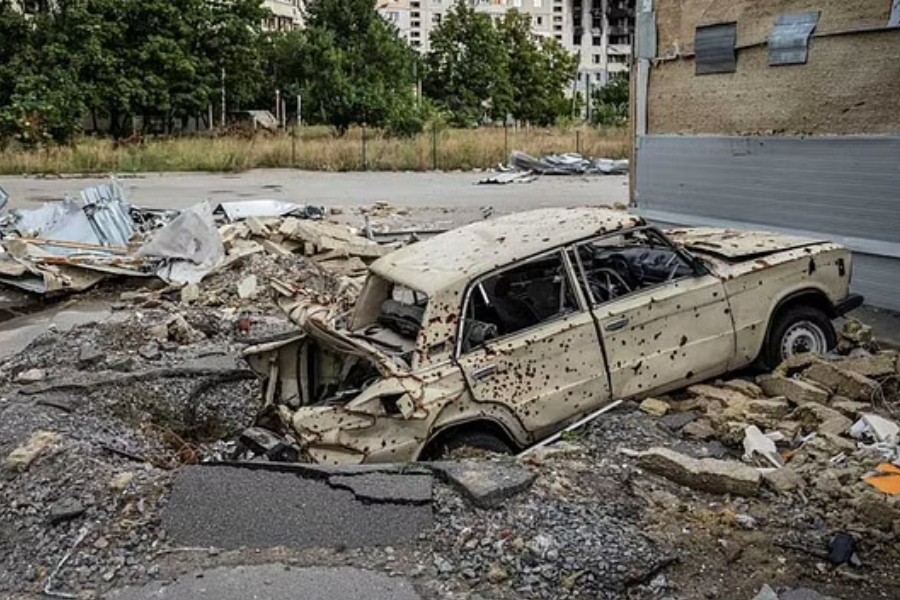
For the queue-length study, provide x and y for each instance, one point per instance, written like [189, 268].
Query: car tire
[477, 440]
[796, 330]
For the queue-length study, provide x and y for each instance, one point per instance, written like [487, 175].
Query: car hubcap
[803, 336]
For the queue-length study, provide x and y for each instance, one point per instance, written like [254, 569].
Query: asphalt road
[276, 582]
[453, 191]
[229, 507]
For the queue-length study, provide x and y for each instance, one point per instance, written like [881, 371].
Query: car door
[528, 341]
[664, 319]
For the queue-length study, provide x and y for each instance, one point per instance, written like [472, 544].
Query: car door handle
[483, 372]
[616, 325]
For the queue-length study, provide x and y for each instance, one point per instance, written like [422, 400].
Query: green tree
[611, 102]
[467, 68]
[350, 67]
[540, 71]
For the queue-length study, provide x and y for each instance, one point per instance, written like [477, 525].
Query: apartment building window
[557, 28]
[595, 58]
[537, 3]
[557, 9]
[557, 19]
[514, 3]
[539, 20]
[414, 34]
[415, 24]
[619, 59]
[436, 18]
[415, 4]
[558, 37]
[597, 40]
[414, 14]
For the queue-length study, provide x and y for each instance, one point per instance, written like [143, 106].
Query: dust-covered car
[500, 333]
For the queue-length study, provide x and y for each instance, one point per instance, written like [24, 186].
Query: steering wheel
[626, 270]
[607, 284]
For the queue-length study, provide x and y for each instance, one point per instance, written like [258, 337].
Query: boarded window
[714, 48]
[789, 42]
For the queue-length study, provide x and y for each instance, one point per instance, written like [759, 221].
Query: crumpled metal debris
[188, 248]
[239, 210]
[567, 164]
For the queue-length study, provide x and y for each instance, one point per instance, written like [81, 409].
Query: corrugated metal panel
[878, 279]
[847, 188]
[789, 41]
[714, 48]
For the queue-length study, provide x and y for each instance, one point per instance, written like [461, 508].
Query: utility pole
[278, 118]
[299, 110]
[224, 108]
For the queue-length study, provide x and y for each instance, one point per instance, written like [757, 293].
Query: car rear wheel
[798, 330]
[464, 441]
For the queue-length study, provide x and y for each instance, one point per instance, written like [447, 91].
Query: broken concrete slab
[699, 430]
[795, 390]
[384, 487]
[485, 483]
[766, 593]
[845, 383]
[706, 475]
[39, 443]
[65, 509]
[849, 407]
[655, 407]
[31, 376]
[676, 421]
[275, 582]
[725, 396]
[804, 594]
[784, 480]
[190, 293]
[797, 363]
[248, 287]
[233, 507]
[748, 388]
[873, 365]
[822, 419]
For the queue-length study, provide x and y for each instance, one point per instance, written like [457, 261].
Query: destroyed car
[500, 333]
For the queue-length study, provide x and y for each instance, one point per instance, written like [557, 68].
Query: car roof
[455, 257]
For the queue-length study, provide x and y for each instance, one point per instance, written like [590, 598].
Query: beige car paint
[536, 381]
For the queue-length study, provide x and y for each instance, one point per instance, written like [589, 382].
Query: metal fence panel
[845, 188]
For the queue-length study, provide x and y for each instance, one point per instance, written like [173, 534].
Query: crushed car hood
[317, 322]
[736, 246]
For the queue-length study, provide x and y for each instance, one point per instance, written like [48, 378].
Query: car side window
[618, 265]
[516, 299]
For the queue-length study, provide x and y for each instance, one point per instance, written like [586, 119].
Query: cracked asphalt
[229, 508]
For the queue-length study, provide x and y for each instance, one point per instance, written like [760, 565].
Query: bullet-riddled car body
[500, 333]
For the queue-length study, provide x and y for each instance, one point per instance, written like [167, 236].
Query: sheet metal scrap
[71, 245]
[238, 211]
[566, 164]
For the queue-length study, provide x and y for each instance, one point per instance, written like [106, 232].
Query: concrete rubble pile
[815, 426]
[72, 245]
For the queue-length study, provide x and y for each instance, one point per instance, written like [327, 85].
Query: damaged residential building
[774, 114]
[600, 32]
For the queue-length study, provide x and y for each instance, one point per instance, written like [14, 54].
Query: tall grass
[317, 149]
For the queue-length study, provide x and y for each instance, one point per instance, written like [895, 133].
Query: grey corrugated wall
[843, 188]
